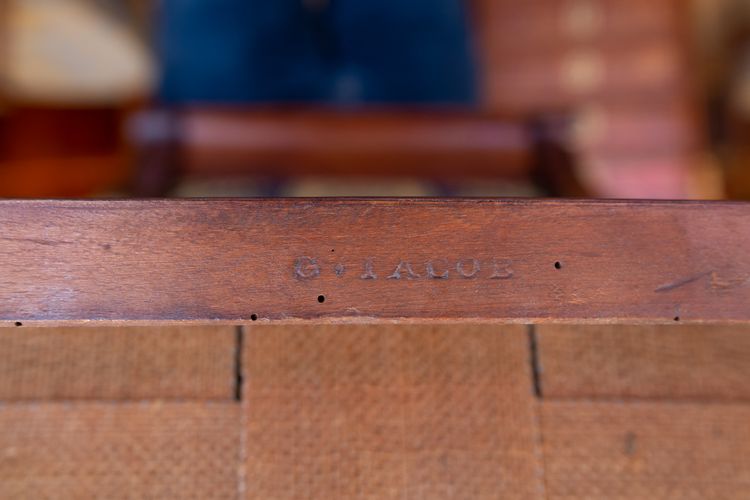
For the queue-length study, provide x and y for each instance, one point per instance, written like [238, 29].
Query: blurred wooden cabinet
[622, 67]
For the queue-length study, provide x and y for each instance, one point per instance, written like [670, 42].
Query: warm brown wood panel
[433, 145]
[367, 260]
[636, 129]
[577, 77]
[691, 362]
[340, 412]
[119, 451]
[655, 451]
[194, 363]
[535, 26]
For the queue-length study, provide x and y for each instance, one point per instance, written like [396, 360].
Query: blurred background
[603, 98]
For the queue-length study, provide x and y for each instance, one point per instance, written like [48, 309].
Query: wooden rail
[432, 145]
[236, 261]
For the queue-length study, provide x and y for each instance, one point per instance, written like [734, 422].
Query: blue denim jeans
[345, 51]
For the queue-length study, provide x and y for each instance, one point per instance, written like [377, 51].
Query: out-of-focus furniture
[622, 68]
[619, 69]
[62, 152]
[738, 170]
[737, 103]
[434, 143]
[443, 147]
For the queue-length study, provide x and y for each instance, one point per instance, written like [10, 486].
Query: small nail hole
[558, 265]
[18, 323]
[254, 317]
[677, 318]
[321, 298]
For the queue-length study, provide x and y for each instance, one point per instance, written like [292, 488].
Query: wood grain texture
[685, 362]
[657, 451]
[352, 411]
[119, 451]
[373, 260]
[114, 364]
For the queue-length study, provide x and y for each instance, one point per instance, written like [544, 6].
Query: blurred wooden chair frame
[439, 147]
[443, 147]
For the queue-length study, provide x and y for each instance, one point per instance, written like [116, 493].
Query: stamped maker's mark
[307, 268]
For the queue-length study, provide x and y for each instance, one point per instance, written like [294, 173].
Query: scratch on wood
[682, 282]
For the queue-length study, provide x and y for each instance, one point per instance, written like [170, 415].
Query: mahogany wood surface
[360, 260]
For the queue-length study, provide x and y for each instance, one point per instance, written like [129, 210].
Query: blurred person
[323, 51]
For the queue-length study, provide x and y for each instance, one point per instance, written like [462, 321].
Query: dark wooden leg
[446, 189]
[554, 171]
[273, 187]
[157, 169]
